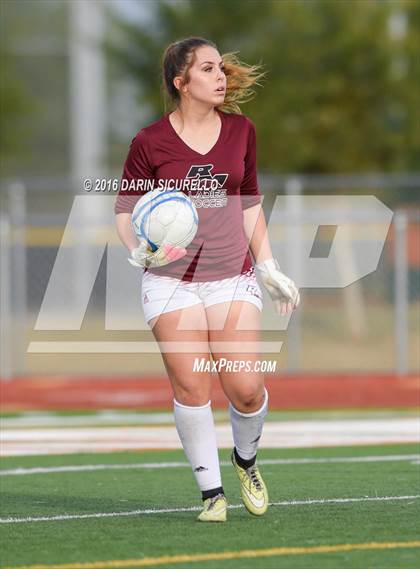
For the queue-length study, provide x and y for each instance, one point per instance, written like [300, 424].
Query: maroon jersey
[221, 183]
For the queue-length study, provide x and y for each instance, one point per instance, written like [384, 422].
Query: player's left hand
[282, 290]
[143, 256]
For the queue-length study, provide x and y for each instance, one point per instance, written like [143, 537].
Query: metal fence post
[17, 203]
[293, 189]
[401, 293]
[6, 371]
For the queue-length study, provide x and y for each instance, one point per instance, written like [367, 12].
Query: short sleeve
[250, 194]
[137, 167]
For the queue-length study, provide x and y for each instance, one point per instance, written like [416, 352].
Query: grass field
[364, 502]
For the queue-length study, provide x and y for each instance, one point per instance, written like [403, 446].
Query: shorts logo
[253, 290]
[145, 298]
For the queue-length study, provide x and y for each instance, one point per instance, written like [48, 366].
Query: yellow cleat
[214, 509]
[253, 490]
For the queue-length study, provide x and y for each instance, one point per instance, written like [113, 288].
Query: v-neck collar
[218, 141]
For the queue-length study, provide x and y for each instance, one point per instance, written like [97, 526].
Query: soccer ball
[165, 217]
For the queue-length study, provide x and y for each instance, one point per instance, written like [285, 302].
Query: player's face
[207, 76]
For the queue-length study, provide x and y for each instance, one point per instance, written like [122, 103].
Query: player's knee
[248, 400]
[192, 397]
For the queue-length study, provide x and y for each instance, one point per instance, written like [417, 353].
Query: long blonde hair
[240, 77]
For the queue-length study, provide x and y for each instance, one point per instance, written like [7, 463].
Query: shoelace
[214, 500]
[252, 473]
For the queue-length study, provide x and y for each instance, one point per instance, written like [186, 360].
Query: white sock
[195, 428]
[247, 428]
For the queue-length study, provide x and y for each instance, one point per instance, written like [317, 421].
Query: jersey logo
[210, 191]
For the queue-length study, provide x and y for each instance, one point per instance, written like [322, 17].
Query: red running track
[286, 392]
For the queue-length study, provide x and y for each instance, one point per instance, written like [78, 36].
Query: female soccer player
[208, 299]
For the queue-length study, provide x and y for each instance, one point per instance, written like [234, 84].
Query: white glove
[143, 256]
[282, 290]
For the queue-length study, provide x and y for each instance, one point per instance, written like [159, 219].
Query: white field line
[198, 508]
[100, 419]
[45, 419]
[163, 465]
[281, 434]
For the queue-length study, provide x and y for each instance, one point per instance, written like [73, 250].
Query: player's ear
[177, 82]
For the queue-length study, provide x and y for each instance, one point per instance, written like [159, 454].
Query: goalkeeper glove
[143, 256]
[282, 290]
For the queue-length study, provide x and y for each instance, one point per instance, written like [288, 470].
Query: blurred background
[338, 114]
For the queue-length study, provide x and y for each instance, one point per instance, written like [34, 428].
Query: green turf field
[122, 519]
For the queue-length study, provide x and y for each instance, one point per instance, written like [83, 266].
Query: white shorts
[161, 294]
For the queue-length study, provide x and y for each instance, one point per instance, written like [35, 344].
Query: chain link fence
[369, 326]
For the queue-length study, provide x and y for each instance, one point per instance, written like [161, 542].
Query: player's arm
[125, 231]
[255, 229]
[138, 167]
[282, 290]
